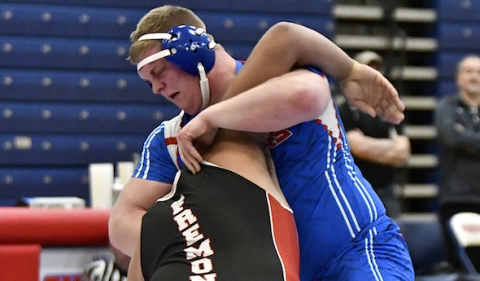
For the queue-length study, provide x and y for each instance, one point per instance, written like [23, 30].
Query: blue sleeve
[312, 68]
[155, 162]
[315, 70]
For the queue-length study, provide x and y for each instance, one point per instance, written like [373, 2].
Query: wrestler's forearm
[284, 46]
[290, 99]
[124, 229]
[137, 196]
[135, 269]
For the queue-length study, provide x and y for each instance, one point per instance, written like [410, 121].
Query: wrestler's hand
[192, 138]
[369, 91]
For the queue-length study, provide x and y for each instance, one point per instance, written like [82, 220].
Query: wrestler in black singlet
[217, 225]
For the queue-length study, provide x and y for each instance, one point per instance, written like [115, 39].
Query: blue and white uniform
[343, 231]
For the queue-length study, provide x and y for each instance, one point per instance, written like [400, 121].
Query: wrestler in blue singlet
[343, 231]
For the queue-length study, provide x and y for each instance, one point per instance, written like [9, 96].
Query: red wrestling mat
[54, 227]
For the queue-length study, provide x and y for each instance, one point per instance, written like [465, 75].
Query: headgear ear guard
[190, 49]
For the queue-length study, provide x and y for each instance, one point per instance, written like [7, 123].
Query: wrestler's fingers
[190, 166]
[188, 153]
[195, 159]
[365, 108]
[394, 98]
[389, 111]
[190, 161]
[399, 104]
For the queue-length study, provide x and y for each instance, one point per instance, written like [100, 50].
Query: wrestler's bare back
[243, 154]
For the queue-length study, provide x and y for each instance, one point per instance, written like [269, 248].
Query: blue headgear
[190, 49]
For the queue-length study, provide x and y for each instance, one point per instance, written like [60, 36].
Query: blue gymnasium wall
[68, 97]
[458, 35]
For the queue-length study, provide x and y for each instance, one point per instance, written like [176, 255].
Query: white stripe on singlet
[358, 184]
[172, 127]
[371, 255]
[328, 118]
[170, 130]
[144, 165]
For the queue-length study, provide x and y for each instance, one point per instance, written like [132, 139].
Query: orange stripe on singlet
[171, 140]
[286, 239]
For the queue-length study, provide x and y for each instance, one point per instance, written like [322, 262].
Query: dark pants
[447, 210]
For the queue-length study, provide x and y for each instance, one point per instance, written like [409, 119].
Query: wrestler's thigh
[380, 255]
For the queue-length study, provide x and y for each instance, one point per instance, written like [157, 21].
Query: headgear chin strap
[190, 49]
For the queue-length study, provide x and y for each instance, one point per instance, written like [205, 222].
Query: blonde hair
[160, 20]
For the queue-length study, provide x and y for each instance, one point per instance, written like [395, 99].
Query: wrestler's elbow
[114, 232]
[282, 30]
[312, 96]
[121, 225]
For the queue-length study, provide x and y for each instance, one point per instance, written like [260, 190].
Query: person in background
[378, 146]
[458, 125]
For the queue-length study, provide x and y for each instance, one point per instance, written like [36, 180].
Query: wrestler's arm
[286, 45]
[124, 225]
[134, 268]
[279, 103]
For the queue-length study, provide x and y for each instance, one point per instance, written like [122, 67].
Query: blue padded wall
[463, 36]
[68, 21]
[34, 118]
[458, 35]
[278, 6]
[42, 150]
[75, 86]
[447, 63]
[42, 182]
[62, 53]
[458, 10]
[447, 88]
[69, 96]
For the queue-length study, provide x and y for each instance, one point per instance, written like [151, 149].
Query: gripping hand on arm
[193, 138]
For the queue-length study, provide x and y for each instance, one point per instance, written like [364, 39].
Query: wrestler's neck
[221, 76]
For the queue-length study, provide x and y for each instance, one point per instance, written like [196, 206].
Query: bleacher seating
[47, 182]
[319, 7]
[447, 64]
[425, 239]
[403, 32]
[68, 21]
[62, 53]
[67, 150]
[459, 35]
[447, 88]
[69, 96]
[79, 118]
[457, 10]
[238, 31]
[75, 86]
